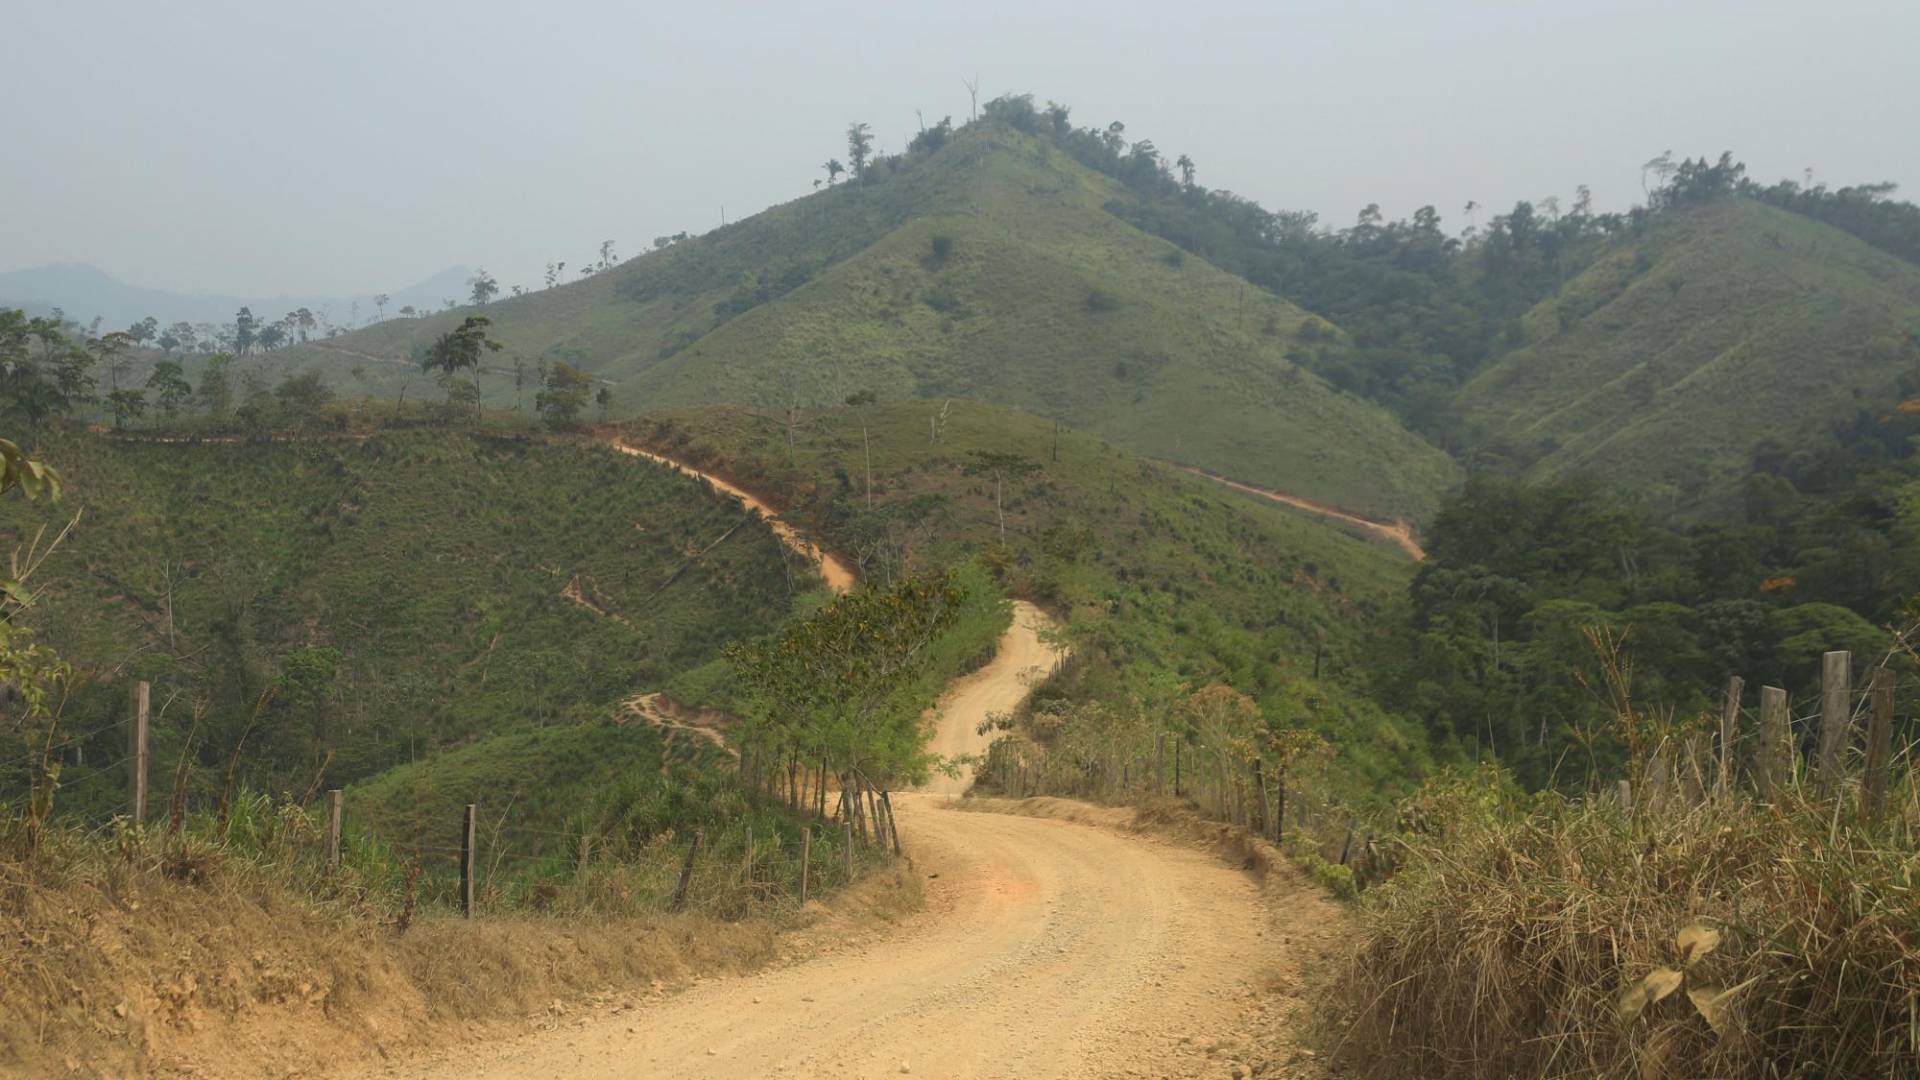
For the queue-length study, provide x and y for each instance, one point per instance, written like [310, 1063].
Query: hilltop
[1666, 364]
[991, 268]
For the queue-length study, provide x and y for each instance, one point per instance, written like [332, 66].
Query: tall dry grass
[1547, 936]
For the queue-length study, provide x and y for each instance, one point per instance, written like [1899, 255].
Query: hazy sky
[271, 147]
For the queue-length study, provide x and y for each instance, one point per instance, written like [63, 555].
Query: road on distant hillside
[1397, 531]
[1048, 948]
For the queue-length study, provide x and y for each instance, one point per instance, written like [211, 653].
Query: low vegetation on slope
[1666, 364]
[989, 268]
[1168, 582]
[344, 606]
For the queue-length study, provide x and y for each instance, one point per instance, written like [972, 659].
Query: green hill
[1165, 580]
[1666, 363]
[990, 269]
[398, 595]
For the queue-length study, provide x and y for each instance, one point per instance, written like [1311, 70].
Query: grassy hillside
[989, 269]
[397, 595]
[1166, 580]
[1666, 363]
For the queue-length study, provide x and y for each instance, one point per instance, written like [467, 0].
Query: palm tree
[1185, 165]
[834, 169]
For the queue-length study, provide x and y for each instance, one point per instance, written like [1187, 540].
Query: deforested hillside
[991, 267]
[1731, 327]
[343, 606]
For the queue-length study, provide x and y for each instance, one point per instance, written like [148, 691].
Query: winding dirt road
[839, 575]
[1048, 948]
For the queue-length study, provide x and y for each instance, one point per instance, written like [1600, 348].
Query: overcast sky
[269, 147]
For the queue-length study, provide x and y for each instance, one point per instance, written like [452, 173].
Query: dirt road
[1397, 531]
[839, 575]
[1018, 663]
[1048, 948]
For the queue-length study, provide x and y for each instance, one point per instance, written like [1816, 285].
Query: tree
[408, 312]
[859, 402]
[484, 287]
[303, 397]
[603, 397]
[216, 386]
[111, 351]
[144, 331]
[519, 383]
[126, 405]
[42, 372]
[859, 148]
[380, 302]
[606, 255]
[183, 335]
[245, 329]
[834, 169]
[304, 321]
[170, 386]
[831, 687]
[1002, 466]
[272, 336]
[1185, 165]
[563, 395]
[460, 349]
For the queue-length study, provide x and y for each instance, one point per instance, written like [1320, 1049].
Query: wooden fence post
[586, 853]
[846, 830]
[1879, 743]
[749, 859]
[1280, 807]
[806, 859]
[1160, 764]
[137, 753]
[466, 861]
[686, 869]
[335, 805]
[893, 824]
[1773, 758]
[1729, 719]
[1260, 785]
[1836, 674]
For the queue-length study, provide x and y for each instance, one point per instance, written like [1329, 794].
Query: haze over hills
[85, 292]
[989, 269]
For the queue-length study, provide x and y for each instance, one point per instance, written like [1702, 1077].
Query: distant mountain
[1666, 364]
[85, 292]
[993, 269]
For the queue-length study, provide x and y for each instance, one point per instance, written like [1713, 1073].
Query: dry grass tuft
[1549, 937]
